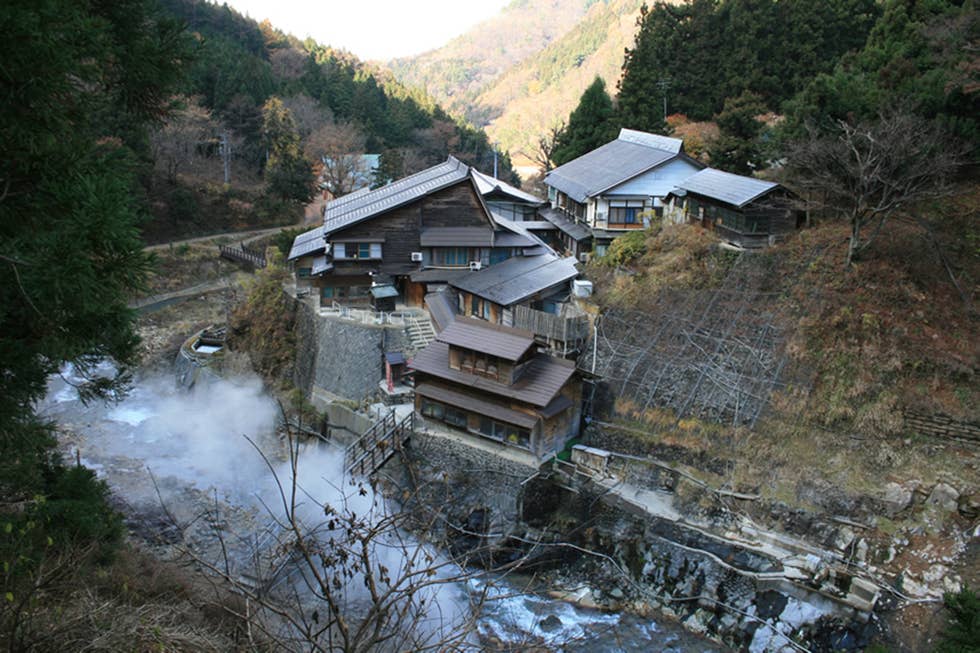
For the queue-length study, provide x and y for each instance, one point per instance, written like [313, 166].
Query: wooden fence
[550, 326]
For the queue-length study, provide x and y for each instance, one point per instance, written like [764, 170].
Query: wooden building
[745, 211]
[614, 189]
[541, 282]
[420, 231]
[490, 382]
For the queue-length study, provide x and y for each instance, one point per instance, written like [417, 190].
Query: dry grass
[136, 603]
[890, 334]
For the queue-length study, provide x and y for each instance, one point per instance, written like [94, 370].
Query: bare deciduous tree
[308, 114]
[546, 145]
[182, 137]
[346, 575]
[340, 148]
[867, 172]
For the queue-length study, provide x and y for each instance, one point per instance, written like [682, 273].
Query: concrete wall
[339, 358]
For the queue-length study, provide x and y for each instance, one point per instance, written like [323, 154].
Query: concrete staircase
[420, 331]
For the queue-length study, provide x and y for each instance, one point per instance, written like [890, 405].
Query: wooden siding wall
[456, 206]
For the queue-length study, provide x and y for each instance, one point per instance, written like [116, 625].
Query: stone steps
[420, 332]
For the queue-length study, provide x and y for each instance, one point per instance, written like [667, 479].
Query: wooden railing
[243, 254]
[568, 330]
[379, 443]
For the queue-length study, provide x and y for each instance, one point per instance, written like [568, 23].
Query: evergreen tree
[288, 173]
[701, 52]
[738, 148]
[590, 125]
[921, 56]
[81, 80]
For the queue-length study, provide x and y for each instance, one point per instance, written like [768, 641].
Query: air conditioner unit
[600, 216]
[476, 265]
[585, 257]
[416, 257]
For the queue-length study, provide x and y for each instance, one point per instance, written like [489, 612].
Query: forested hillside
[523, 72]
[277, 104]
[456, 73]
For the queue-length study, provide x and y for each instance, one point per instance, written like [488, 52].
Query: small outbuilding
[745, 211]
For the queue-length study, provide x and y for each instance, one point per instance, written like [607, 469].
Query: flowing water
[162, 446]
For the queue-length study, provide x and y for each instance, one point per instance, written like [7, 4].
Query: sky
[373, 29]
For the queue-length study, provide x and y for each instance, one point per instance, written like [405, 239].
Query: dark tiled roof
[476, 404]
[514, 234]
[613, 163]
[395, 358]
[541, 380]
[456, 237]
[494, 339]
[309, 242]
[517, 278]
[557, 405]
[321, 265]
[488, 184]
[726, 187]
[351, 209]
[575, 230]
[441, 309]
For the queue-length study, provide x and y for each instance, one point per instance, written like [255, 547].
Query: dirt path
[147, 303]
[312, 214]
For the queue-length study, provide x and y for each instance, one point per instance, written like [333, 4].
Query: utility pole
[494, 160]
[226, 155]
[664, 85]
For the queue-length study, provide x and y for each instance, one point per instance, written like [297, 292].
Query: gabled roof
[541, 380]
[726, 187]
[517, 278]
[609, 165]
[487, 184]
[355, 207]
[488, 338]
[309, 242]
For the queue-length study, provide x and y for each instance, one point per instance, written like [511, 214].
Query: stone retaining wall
[342, 358]
[938, 425]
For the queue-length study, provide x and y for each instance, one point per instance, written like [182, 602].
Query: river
[197, 454]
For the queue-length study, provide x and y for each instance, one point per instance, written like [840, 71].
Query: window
[499, 254]
[475, 306]
[443, 413]
[486, 310]
[625, 212]
[304, 273]
[357, 250]
[326, 292]
[452, 256]
[507, 433]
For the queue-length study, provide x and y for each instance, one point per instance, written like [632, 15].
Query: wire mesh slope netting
[713, 354]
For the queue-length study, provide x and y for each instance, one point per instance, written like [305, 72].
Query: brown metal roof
[494, 339]
[477, 405]
[542, 379]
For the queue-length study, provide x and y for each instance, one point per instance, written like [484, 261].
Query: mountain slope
[457, 72]
[523, 71]
[524, 102]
